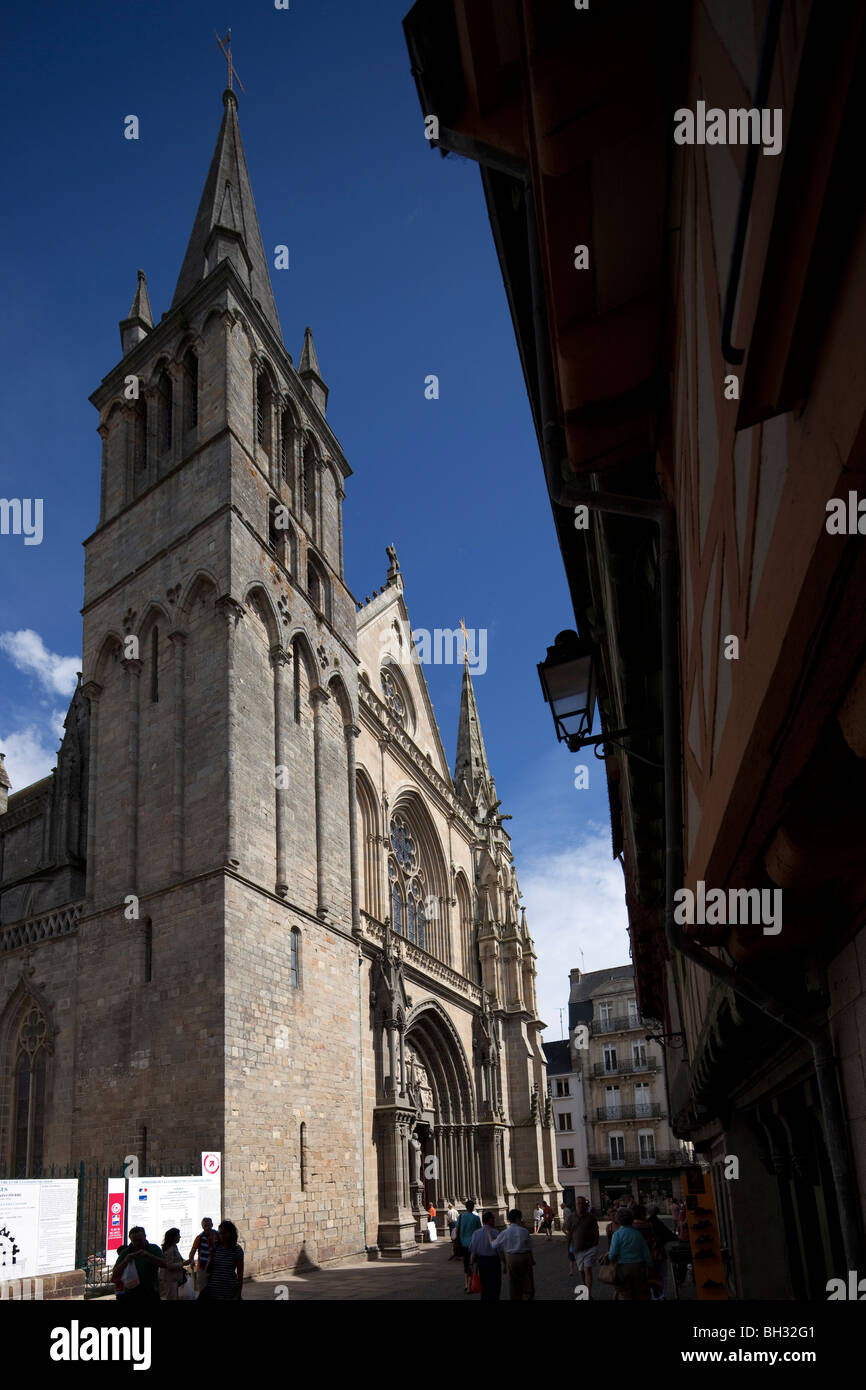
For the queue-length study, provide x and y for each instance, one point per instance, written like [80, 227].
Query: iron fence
[90, 1234]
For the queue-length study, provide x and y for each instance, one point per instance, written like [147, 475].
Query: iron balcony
[620, 1023]
[631, 1158]
[651, 1111]
[621, 1068]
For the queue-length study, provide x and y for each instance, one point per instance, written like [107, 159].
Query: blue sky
[393, 266]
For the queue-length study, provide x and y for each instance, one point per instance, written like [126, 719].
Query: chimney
[5, 785]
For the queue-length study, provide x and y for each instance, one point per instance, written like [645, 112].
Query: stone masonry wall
[292, 1058]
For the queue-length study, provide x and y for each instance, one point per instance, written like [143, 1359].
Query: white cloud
[31, 752]
[27, 651]
[574, 900]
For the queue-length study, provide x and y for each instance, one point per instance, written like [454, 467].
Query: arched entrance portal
[444, 1140]
[431, 1144]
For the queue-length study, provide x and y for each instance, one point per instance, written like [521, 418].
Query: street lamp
[568, 681]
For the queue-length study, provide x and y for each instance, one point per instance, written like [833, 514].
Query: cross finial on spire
[465, 641]
[226, 46]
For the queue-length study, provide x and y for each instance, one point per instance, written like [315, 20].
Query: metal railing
[632, 1158]
[620, 1023]
[651, 1111]
[90, 1234]
[601, 1069]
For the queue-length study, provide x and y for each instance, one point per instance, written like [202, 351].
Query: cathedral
[252, 910]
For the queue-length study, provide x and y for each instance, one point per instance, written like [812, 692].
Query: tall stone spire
[226, 226]
[470, 767]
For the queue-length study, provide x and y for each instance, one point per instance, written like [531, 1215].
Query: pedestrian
[138, 1265]
[538, 1217]
[453, 1218]
[569, 1221]
[676, 1214]
[609, 1229]
[467, 1224]
[174, 1273]
[547, 1220]
[658, 1237]
[584, 1241]
[630, 1252]
[225, 1267]
[515, 1246]
[484, 1259]
[200, 1252]
[431, 1213]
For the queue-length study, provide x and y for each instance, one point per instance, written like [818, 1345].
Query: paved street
[430, 1276]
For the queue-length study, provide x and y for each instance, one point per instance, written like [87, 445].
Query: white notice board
[37, 1226]
[158, 1203]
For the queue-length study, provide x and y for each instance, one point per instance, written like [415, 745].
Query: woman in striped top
[225, 1267]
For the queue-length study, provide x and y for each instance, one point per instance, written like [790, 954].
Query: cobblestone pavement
[430, 1276]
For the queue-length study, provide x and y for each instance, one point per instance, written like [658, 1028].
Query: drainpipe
[361, 1085]
[662, 514]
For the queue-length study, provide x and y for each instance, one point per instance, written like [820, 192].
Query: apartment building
[565, 1087]
[629, 1142]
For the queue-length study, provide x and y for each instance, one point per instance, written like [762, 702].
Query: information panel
[115, 1224]
[159, 1203]
[37, 1226]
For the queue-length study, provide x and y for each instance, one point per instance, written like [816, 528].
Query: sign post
[115, 1228]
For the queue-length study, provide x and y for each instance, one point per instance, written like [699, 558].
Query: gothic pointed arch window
[139, 434]
[318, 587]
[287, 446]
[308, 482]
[190, 390]
[407, 882]
[163, 412]
[28, 1092]
[264, 410]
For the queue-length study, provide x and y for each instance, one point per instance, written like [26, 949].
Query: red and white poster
[115, 1230]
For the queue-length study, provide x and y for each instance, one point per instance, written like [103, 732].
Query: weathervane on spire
[226, 46]
[465, 641]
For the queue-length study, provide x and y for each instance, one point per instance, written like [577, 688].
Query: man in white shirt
[515, 1245]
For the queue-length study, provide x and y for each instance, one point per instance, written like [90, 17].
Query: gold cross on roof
[226, 46]
[465, 640]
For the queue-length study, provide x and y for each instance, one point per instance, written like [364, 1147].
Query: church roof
[588, 981]
[471, 761]
[557, 1056]
[227, 203]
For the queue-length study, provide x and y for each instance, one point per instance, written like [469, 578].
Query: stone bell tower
[220, 668]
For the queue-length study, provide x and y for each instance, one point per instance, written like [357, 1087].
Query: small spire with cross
[226, 46]
[465, 641]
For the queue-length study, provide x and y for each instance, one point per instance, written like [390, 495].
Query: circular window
[393, 699]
